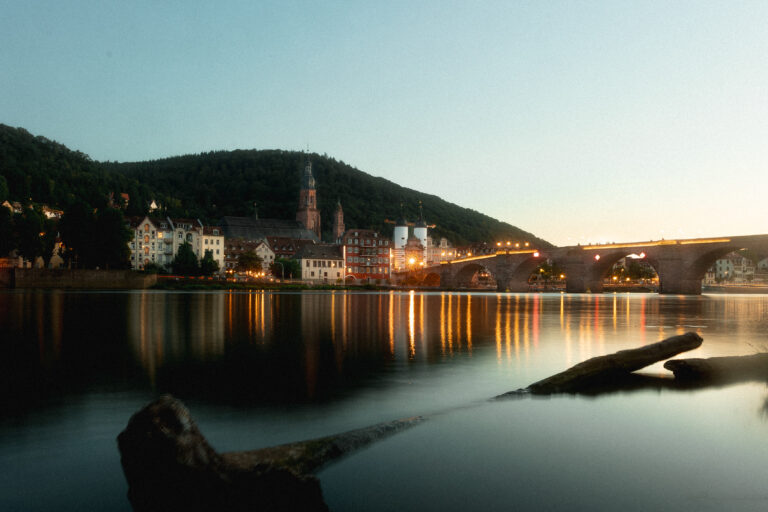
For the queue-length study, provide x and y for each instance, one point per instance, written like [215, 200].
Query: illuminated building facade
[157, 240]
[321, 263]
[366, 255]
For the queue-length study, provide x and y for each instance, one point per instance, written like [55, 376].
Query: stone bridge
[680, 264]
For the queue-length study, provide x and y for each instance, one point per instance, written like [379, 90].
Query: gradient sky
[577, 121]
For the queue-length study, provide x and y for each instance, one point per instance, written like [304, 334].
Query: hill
[36, 169]
[214, 184]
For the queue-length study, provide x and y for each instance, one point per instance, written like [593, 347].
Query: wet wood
[589, 375]
[169, 465]
[720, 369]
[310, 456]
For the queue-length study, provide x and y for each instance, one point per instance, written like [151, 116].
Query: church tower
[308, 214]
[338, 222]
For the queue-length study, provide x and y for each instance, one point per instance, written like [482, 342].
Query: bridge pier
[673, 278]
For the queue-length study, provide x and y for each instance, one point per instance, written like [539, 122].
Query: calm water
[258, 369]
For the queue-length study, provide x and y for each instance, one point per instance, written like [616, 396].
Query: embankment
[75, 279]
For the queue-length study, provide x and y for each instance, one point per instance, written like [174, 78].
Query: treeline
[212, 185]
[41, 171]
[83, 238]
[218, 183]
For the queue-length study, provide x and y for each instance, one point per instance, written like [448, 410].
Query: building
[321, 263]
[399, 239]
[414, 253]
[367, 255]
[308, 214]
[733, 268]
[287, 247]
[157, 240]
[237, 246]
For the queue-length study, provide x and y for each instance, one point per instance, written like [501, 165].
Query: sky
[578, 121]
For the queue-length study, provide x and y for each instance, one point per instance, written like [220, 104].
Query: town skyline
[578, 123]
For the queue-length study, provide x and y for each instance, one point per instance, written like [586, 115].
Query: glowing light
[526, 244]
[536, 254]
[411, 261]
[517, 244]
[642, 255]
[562, 276]
[597, 257]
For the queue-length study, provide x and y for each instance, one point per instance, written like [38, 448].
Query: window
[217, 251]
[307, 263]
[146, 238]
[313, 273]
[217, 241]
[146, 228]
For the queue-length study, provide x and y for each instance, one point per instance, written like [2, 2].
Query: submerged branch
[605, 370]
[169, 465]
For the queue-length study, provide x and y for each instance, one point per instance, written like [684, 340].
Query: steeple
[421, 223]
[308, 181]
[308, 214]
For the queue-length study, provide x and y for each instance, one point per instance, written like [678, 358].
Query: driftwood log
[720, 370]
[169, 465]
[601, 370]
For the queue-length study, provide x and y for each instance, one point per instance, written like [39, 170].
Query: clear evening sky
[577, 121]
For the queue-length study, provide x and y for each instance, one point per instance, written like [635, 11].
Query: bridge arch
[468, 275]
[518, 280]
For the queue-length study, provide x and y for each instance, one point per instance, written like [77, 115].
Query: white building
[321, 263]
[157, 240]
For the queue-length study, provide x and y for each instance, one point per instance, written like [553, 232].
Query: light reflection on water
[261, 368]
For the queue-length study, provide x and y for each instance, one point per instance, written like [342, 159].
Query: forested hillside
[212, 185]
[36, 169]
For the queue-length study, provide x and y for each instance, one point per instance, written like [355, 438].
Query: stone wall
[80, 279]
[6, 277]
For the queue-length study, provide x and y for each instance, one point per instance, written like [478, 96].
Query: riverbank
[75, 279]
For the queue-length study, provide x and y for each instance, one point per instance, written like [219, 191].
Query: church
[306, 226]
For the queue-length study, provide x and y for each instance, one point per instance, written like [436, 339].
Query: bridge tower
[400, 238]
[420, 231]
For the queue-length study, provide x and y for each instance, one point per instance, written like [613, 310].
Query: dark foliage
[39, 170]
[212, 185]
[185, 262]
[218, 183]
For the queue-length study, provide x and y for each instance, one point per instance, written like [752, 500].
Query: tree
[7, 242]
[185, 262]
[284, 267]
[208, 265]
[112, 237]
[77, 227]
[249, 261]
[28, 227]
[4, 193]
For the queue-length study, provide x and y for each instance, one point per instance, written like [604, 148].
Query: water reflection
[307, 346]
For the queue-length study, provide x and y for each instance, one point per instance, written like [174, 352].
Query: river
[263, 368]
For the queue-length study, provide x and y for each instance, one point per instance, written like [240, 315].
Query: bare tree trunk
[606, 369]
